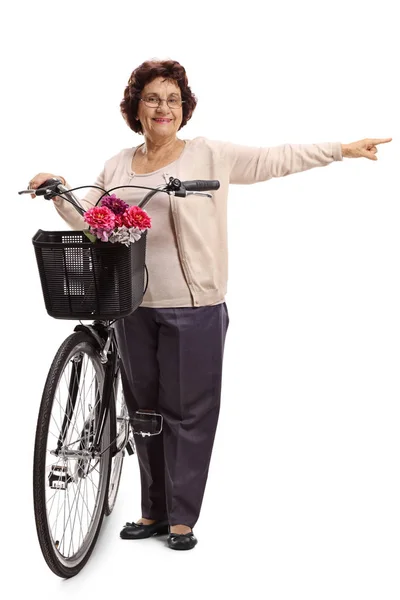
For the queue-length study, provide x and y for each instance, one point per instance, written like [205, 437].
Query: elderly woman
[172, 345]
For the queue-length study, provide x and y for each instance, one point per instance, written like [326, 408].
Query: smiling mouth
[162, 120]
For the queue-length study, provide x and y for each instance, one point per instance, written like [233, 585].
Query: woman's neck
[154, 149]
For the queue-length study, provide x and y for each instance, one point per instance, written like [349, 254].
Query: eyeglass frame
[160, 100]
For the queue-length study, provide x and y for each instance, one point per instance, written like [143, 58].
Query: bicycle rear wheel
[70, 481]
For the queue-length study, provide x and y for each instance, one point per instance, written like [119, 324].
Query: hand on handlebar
[40, 178]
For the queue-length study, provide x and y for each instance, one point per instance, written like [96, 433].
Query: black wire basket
[85, 280]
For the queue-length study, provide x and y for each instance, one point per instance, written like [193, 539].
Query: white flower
[123, 235]
[134, 234]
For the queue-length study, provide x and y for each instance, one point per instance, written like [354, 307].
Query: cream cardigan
[199, 230]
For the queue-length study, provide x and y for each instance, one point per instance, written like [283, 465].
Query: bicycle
[83, 428]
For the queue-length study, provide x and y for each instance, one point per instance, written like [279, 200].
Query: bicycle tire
[73, 349]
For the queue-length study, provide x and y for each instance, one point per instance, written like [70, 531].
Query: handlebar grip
[49, 183]
[201, 185]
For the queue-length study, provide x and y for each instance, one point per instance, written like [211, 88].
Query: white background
[303, 494]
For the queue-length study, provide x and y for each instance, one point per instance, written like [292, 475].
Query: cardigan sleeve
[68, 212]
[251, 165]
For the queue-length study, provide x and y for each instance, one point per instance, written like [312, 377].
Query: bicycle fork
[100, 410]
[73, 388]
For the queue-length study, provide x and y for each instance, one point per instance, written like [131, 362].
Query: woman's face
[161, 122]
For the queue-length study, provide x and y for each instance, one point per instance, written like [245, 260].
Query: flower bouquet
[116, 222]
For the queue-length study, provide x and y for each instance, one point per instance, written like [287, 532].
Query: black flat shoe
[135, 531]
[182, 541]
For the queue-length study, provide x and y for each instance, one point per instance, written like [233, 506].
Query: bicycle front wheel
[70, 480]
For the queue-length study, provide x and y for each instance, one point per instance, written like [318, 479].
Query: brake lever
[56, 189]
[47, 193]
[199, 194]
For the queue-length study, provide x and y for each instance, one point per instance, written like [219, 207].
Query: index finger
[383, 141]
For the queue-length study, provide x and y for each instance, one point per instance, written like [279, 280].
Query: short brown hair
[144, 74]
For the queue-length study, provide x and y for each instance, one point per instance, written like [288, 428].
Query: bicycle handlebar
[53, 187]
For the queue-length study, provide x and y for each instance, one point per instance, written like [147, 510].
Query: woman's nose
[163, 106]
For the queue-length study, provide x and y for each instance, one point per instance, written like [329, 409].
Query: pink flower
[119, 221]
[136, 217]
[102, 234]
[100, 217]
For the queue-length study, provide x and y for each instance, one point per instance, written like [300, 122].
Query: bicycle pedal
[146, 423]
[59, 477]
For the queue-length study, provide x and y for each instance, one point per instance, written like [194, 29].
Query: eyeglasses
[153, 101]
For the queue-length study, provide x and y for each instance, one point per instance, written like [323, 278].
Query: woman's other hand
[40, 178]
[364, 148]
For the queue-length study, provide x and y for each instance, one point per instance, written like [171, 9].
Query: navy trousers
[172, 363]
